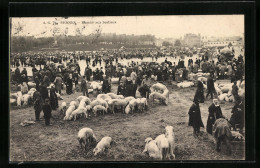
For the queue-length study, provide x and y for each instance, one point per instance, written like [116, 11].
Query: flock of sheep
[161, 148]
[84, 106]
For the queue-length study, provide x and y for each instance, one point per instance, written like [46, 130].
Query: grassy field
[59, 141]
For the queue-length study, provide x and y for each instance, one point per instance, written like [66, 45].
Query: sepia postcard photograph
[127, 88]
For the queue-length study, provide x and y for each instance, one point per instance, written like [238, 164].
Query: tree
[229, 45]
[166, 43]
[177, 43]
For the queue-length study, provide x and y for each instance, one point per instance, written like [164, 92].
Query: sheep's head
[96, 151]
[147, 140]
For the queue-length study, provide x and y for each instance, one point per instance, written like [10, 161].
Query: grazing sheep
[75, 103]
[237, 136]
[222, 96]
[141, 104]
[152, 149]
[63, 107]
[19, 100]
[69, 111]
[86, 137]
[26, 99]
[127, 109]
[86, 100]
[129, 98]
[31, 84]
[158, 87]
[81, 97]
[115, 96]
[24, 88]
[82, 104]
[156, 95]
[169, 134]
[19, 94]
[102, 145]
[185, 84]
[14, 96]
[132, 104]
[13, 101]
[103, 96]
[117, 103]
[166, 94]
[163, 145]
[99, 102]
[32, 89]
[97, 108]
[77, 112]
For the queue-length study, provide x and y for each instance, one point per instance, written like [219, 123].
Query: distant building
[223, 41]
[191, 40]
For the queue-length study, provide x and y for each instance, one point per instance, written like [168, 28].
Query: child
[46, 108]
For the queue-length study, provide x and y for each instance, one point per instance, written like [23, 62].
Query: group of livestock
[161, 148]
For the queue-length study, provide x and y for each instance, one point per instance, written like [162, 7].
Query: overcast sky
[160, 26]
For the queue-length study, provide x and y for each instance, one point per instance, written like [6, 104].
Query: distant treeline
[27, 43]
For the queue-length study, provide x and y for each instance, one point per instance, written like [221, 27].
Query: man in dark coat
[210, 87]
[44, 92]
[214, 114]
[199, 95]
[121, 89]
[237, 117]
[46, 108]
[37, 104]
[235, 91]
[53, 99]
[195, 117]
[84, 87]
[17, 75]
[69, 84]
[105, 85]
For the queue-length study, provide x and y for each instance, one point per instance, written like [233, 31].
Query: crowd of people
[64, 68]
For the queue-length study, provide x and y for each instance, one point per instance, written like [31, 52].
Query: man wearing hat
[195, 117]
[215, 113]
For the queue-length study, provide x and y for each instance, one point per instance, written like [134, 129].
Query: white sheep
[99, 102]
[33, 89]
[169, 134]
[103, 96]
[82, 104]
[97, 108]
[12, 101]
[102, 145]
[132, 104]
[159, 96]
[115, 96]
[129, 98]
[75, 103]
[69, 111]
[77, 112]
[26, 99]
[158, 87]
[31, 84]
[24, 88]
[117, 103]
[222, 96]
[163, 145]
[86, 137]
[63, 107]
[152, 149]
[81, 97]
[127, 109]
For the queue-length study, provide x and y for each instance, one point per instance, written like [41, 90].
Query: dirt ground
[59, 142]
